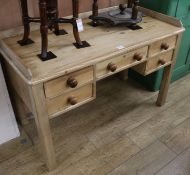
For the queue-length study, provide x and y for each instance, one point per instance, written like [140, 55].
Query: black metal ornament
[125, 14]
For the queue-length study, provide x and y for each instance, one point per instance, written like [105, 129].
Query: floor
[122, 132]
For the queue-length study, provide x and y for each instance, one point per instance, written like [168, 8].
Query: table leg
[43, 126]
[25, 18]
[168, 70]
[56, 26]
[164, 85]
[43, 28]
[135, 10]
[95, 12]
[75, 4]
[53, 4]
[95, 8]
[130, 3]
[79, 44]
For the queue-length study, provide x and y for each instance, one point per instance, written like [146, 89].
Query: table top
[105, 42]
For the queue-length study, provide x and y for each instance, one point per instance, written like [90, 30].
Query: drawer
[67, 82]
[154, 63]
[70, 100]
[162, 45]
[159, 61]
[120, 62]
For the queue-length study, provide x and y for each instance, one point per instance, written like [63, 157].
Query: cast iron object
[125, 15]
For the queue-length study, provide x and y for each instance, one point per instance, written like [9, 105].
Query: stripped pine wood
[18, 85]
[100, 39]
[155, 63]
[43, 126]
[155, 48]
[122, 62]
[75, 151]
[59, 86]
[167, 76]
[61, 102]
[48, 101]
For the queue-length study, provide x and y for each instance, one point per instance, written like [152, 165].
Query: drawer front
[162, 45]
[70, 100]
[121, 62]
[68, 82]
[159, 61]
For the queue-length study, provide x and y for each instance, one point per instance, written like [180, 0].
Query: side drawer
[65, 83]
[155, 63]
[116, 64]
[159, 61]
[162, 46]
[70, 100]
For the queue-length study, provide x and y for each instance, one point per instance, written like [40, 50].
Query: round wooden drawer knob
[72, 82]
[161, 62]
[72, 100]
[165, 46]
[138, 57]
[112, 67]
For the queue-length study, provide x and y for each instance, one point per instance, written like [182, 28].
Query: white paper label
[80, 25]
[120, 47]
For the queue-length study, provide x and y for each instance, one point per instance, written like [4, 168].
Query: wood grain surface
[102, 39]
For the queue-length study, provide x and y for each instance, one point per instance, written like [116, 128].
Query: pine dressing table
[51, 88]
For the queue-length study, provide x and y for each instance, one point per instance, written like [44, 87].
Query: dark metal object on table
[127, 15]
[49, 19]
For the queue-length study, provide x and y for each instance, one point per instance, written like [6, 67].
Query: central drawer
[121, 62]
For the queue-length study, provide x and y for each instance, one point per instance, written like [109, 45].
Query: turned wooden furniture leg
[79, 44]
[53, 5]
[135, 10]
[56, 26]
[130, 4]
[95, 8]
[57, 31]
[25, 18]
[168, 70]
[95, 11]
[43, 28]
[43, 126]
[75, 16]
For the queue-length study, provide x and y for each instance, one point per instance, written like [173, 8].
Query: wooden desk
[54, 87]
